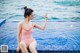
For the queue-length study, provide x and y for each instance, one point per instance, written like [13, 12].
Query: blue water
[56, 36]
[62, 31]
[58, 10]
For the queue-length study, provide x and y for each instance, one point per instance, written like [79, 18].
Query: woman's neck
[27, 20]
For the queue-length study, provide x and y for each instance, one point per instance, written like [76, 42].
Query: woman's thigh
[23, 43]
[33, 44]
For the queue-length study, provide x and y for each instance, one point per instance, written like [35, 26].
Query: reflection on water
[59, 10]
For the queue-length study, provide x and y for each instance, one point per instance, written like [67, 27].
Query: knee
[21, 44]
[32, 47]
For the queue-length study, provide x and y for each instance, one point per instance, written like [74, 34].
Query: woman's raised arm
[44, 25]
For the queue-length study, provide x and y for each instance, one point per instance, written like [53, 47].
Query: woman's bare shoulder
[20, 22]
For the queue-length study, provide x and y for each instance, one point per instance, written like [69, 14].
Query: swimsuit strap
[23, 23]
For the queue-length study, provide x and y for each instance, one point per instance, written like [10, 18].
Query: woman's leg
[18, 49]
[23, 47]
[33, 46]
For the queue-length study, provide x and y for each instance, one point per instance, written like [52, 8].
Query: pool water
[58, 10]
[63, 28]
[56, 36]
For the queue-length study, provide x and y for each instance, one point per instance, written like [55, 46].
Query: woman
[25, 29]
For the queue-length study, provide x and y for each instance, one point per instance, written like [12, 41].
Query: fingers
[18, 49]
[46, 16]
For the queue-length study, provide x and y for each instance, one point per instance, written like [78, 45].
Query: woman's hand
[46, 16]
[18, 49]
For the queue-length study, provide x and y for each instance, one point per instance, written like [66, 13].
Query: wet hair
[27, 11]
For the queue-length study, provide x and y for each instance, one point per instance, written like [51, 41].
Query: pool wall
[2, 21]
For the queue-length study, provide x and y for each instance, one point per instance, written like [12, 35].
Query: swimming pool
[56, 36]
[58, 10]
[62, 31]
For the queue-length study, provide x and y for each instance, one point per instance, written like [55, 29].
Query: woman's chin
[31, 19]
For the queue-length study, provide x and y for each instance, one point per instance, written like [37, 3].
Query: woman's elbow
[43, 28]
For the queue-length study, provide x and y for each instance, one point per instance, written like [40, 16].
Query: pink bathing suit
[26, 34]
